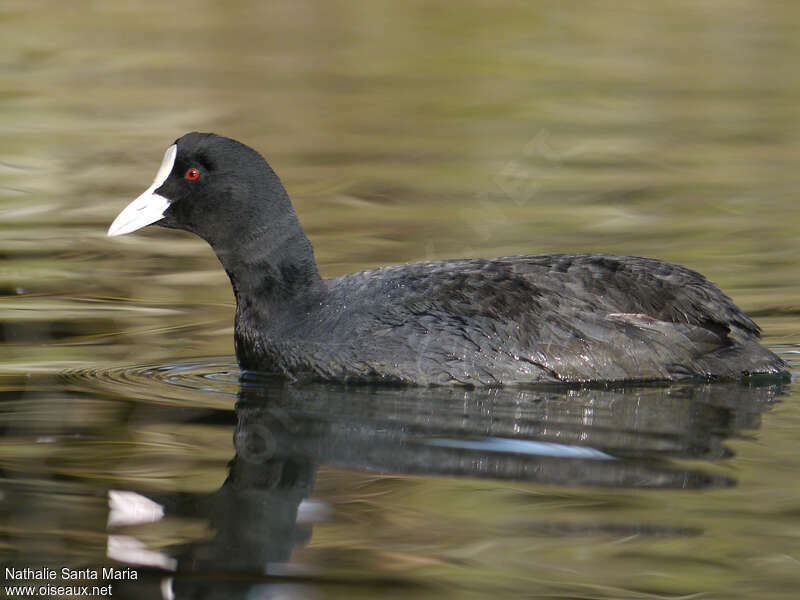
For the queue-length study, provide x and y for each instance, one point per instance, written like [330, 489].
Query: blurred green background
[406, 131]
[402, 131]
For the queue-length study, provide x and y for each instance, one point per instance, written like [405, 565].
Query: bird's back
[521, 319]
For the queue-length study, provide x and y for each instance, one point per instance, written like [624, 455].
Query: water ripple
[201, 382]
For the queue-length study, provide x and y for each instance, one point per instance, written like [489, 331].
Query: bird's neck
[272, 268]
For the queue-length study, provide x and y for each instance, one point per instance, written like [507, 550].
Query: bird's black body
[513, 320]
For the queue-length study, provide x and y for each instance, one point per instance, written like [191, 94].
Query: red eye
[192, 174]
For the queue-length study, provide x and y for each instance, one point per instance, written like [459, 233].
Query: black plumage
[512, 320]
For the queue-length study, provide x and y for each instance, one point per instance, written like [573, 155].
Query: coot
[511, 320]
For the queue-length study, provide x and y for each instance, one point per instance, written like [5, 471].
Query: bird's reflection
[629, 437]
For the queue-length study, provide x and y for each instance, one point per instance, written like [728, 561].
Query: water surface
[403, 132]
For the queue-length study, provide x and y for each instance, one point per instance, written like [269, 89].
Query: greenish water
[403, 131]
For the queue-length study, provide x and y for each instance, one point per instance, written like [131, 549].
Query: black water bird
[512, 320]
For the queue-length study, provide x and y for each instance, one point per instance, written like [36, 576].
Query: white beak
[149, 207]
